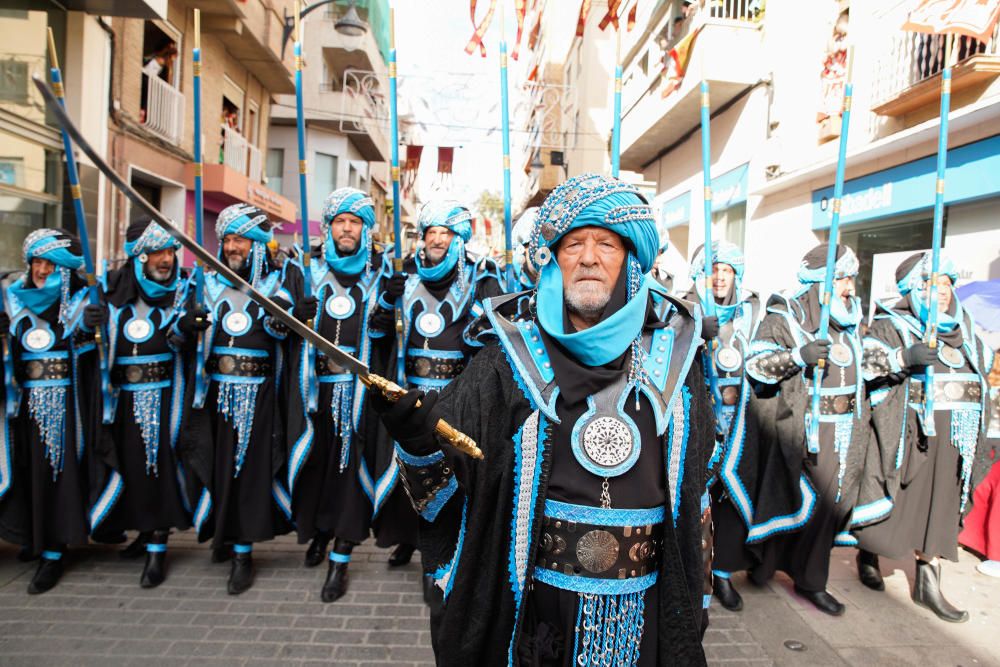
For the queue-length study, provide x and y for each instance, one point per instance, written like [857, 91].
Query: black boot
[241, 575]
[927, 593]
[316, 552]
[401, 555]
[137, 548]
[336, 581]
[823, 601]
[868, 570]
[726, 594]
[155, 571]
[49, 571]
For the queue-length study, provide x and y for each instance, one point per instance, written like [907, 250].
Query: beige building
[775, 100]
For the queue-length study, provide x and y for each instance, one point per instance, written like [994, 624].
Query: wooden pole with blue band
[616, 122]
[932, 290]
[505, 127]
[300, 130]
[397, 260]
[199, 197]
[708, 300]
[812, 426]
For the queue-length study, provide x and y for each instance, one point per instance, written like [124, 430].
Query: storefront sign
[973, 172]
[730, 188]
[676, 211]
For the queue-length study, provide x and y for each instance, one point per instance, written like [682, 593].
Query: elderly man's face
[236, 249]
[436, 243]
[40, 270]
[944, 291]
[723, 277]
[591, 259]
[160, 264]
[346, 230]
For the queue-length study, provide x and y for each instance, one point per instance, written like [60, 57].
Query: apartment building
[774, 72]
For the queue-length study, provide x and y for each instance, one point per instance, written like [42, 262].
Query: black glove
[709, 327]
[4, 323]
[918, 355]
[812, 352]
[194, 321]
[305, 309]
[94, 316]
[382, 320]
[411, 426]
[393, 287]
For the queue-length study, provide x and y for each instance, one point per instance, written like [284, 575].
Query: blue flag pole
[199, 205]
[94, 295]
[397, 260]
[708, 299]
[932, 292]
[505, 123]
[616, 124]
[812, 431]
[300, 128]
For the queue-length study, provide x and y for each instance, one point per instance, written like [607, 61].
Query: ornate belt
[238, 365]
[327, 366]
[596, 543]
[431, 367]
[947, 390]
[131, 372]
[839, 404]
[44, 369]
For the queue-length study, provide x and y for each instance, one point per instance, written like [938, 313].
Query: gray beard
[235, 262]
[157, 275]
[586, 302]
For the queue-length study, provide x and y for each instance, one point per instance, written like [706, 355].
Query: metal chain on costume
[47, 406]
[146, 410]
[236, 402]
[606, 494]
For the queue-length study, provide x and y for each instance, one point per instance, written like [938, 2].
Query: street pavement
[99, 616]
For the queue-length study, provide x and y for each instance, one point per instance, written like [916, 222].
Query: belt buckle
[133, 374]
[597, 551]
[954, 391]
[34, 370]
[730, 395]
[841, 404]
[422, 367]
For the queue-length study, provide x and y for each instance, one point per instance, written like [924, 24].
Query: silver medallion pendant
[728, 359]
[340, 307]
[597, 551]
[951, 356]
[138, 330]
[954, 391]
[840, 354]
[38, 340]
[607, 442]
[430, 324]
[236, 323]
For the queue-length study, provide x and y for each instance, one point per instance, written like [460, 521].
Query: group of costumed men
[619, 424]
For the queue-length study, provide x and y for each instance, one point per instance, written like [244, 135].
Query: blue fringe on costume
[146, 410]
[341, 399]
[609, 629]
[237, 401]
[47, 406]
[965, 436]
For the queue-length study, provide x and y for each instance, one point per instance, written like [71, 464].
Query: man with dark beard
[578, 539]
[333, 459]
[233, 443]
[734, 491]
[811, 475]
[442, 305]
[49, 421]
[141, 484]
[920, 483]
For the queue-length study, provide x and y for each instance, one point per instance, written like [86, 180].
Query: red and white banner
[581, 20]
[408, 175]
[480, 29]
[520, 9]
[973, 18]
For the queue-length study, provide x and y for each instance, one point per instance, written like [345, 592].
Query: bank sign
[973, 173]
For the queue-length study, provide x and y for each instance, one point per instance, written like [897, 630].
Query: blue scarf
[435, 273]
[152, 289]
[605, 341]
[351, 265]
[38, 299]
[946, 322]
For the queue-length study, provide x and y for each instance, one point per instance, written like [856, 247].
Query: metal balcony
[164, 115]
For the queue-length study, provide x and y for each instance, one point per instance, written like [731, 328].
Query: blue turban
[591, 200]
[348, 200]
[55, 245]
[723, 252]
[915, 269]
[152, 239]
[244, 220]
[813, 266]
[446, 213]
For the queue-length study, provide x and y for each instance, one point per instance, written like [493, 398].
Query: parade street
[98, 617]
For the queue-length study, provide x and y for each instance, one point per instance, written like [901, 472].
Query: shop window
[275, 169]
[730, 224]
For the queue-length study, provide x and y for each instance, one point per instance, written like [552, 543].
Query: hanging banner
[677, 62]
[479, 30]
[410, 167]
[581, 20]
[446, 157]
[972, 18]
[611, 16]
[520, 8]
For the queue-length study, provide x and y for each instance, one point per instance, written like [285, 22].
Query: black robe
[913, 487]
[134, 496]
[42, 509]
[486, 617]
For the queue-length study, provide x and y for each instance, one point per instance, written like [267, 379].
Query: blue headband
[448, 214]
[847, 265]
[243, 220]
[153, 239]
[921, 271]
[53, 245]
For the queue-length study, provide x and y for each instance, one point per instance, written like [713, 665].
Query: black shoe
[316, 553]
[46, 576]
[401, 555]
[927, 593]
[155, 571]
[135, 550]
[222, 554]
[726, 594]
[868, 570]
[336, 582]
[241, 576]
[823, 601]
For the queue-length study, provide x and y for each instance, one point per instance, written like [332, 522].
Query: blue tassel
[609, 629]
[237, 402]
[146, 410]
[841, 445]
[47, 406]
[340, 411]
[965, 436]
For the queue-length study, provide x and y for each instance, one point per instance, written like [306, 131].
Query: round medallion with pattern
[340, 306]
[138, 329]
[607, 441]
[597, 551]
[840, 354]
[38, 339]
[951, 356]
[237, 322]
[728, 358]
[430, 324]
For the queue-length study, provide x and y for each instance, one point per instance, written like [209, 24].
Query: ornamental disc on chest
[605, 440]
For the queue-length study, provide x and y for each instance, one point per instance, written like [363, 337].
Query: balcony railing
[253, 163]
[164, 113]
[914, 58]
[240, 155]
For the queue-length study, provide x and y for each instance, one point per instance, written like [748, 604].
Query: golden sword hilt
[449, 433]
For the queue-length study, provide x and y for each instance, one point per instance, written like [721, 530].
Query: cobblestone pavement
[98, 615]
